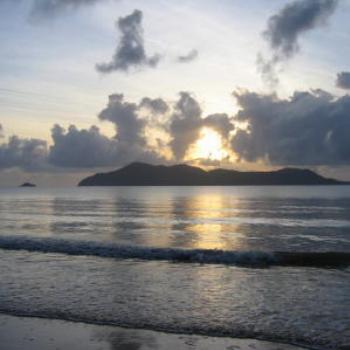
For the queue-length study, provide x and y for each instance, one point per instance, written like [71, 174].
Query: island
[143, 174]
[27, 184]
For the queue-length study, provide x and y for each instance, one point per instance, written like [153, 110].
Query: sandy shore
[18, 333]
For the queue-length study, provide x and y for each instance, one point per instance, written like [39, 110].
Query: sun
[208, 146]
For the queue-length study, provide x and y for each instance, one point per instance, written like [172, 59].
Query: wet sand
[18, 333]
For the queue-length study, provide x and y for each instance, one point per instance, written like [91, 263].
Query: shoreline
[31, 333]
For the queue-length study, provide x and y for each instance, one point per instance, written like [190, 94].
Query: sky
[92, 85]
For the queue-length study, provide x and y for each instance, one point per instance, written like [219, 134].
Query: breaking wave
[257, 259]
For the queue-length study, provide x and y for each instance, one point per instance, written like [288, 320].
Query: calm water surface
[239, 218]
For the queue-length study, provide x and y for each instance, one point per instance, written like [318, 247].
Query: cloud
[190, 56]
[221, 123]
[310, 128]
[307, 129]
[268, 70]
[182, 122]
[130, 130]
[186, 123]
[124, 116]
[130, 52]
[1, 131]
[296, 18]
[343, 80]
[73, 148]
[85, 148]
[155, 106]
[29, 154]
[88, 148]
[47, 8]
[286, 27]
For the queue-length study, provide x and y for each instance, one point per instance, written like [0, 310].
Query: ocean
[268, 262]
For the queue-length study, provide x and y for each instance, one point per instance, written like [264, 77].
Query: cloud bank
[307, 129]
[81, 148]
[130, 52]
[28, 154]
[310, 128]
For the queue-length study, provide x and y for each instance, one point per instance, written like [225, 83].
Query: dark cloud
[124, 116]
[186, 123]
[88, 148]
[190, 56]
[343, 80]
[130, 130]
[310, 128]
[221, 123]
[29, 154]
[71, 149]
[45, 8]
[130, 52]
[1, 131]
[155, 106]
[82, 148]
[286, 27]
[42, 9]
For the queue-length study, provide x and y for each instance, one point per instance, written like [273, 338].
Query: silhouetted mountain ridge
[143, 174]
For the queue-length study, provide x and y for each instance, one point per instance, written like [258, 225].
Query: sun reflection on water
[203, 221]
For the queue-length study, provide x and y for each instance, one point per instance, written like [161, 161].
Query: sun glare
[208, 146]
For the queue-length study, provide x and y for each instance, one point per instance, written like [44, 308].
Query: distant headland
[142, 174]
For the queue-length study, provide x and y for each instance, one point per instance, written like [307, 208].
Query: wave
[257, 259]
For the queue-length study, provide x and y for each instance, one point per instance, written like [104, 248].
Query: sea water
[202, 260]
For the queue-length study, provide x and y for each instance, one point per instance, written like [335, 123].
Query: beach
[18, 333]
[175, 175]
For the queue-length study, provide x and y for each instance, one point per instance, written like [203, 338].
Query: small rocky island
[27, 184]
[142, 174]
